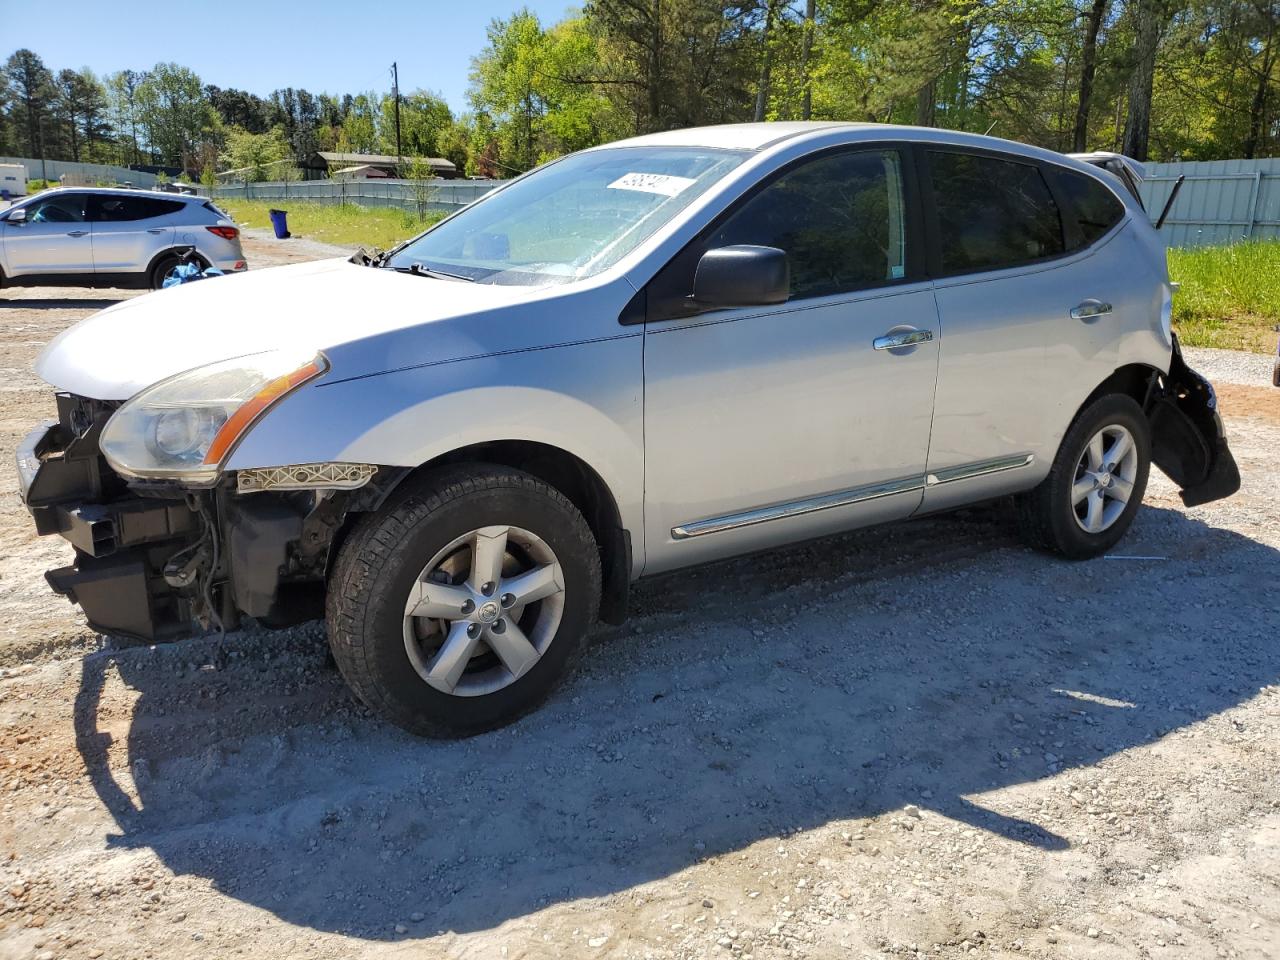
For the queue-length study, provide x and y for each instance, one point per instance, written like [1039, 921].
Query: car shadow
[928, 663]
[60, 303]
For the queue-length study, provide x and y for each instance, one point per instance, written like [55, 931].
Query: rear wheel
[1096, 484]
[459, 607]
[165, 267]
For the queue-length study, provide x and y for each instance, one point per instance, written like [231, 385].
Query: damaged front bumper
[153, 560]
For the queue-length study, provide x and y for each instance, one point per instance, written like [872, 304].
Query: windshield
[569, 220]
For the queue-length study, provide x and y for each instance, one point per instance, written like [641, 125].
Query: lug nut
[473, 630]
[488, 589]
[468, 606]
[508, 599]
[499, 626]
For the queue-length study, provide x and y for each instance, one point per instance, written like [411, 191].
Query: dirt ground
[920, 741]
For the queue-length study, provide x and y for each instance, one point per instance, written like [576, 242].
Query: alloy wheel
[1104, 478]
[483, 611]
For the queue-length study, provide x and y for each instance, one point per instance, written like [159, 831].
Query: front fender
[583, 398]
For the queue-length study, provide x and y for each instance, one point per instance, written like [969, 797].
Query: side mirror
[16, 216]
[742, 276]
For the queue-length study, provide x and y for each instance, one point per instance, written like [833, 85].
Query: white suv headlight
[183, 428]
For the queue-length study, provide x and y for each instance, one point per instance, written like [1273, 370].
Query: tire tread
[370, 549]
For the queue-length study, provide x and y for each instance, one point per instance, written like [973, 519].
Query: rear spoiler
[1131, 173]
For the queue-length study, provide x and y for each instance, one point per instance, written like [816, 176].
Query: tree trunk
[655, 67]
[926, 105]
[766, 65]
[806, 49]
[1137, 126]
[1088, 66]
[1258, 108]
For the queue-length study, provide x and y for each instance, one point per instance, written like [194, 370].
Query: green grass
[344, 226]
[1230, 296]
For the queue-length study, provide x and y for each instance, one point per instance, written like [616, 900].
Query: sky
[320, 45]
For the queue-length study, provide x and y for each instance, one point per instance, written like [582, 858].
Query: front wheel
[1088, 500]
[461, 604]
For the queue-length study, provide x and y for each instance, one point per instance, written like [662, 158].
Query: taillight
[226, 233]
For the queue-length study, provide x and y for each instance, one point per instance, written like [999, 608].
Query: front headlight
[183, 428]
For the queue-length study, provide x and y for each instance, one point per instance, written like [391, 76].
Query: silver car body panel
[718, 434]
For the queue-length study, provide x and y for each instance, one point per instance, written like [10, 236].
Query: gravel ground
[922, 740]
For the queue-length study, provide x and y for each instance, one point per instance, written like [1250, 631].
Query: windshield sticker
[659, 183]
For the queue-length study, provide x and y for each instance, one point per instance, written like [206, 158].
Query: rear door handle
[155, 229]
[1090, 310]
[902, 338]
[77, 233]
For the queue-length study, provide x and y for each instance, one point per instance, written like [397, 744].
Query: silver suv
[111, 238]
[648, 355]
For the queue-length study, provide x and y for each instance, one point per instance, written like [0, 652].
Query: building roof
[378, 159]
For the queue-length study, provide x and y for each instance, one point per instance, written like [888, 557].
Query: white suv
[111, 238]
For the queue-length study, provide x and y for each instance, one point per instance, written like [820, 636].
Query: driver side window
[60, 208]
[840, 219]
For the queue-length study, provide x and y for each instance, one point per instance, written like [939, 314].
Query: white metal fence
[84, 173]
[1222, 201]
[409, 194]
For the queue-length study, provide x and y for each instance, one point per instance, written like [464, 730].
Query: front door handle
[77, 233]
[155, 229]
[902, 338]
[1090, 310]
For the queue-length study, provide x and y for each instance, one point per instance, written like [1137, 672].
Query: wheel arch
[571, 476]
[174, 251]
[1133, 380]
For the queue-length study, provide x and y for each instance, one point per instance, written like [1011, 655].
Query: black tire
[161, 270]
[379, 562]
[1046, 515]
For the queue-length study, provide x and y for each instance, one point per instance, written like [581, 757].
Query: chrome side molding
[845, 498]
[796, 508]
[982, 468]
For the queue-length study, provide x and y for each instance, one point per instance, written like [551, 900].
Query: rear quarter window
[992, 213]
[1090, 205]
[112, 209]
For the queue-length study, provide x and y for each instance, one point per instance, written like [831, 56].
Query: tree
[1097, 10]
[423, 117]
[1150, 18]
[256, 156]
[31, 89]
[80, 104]
[174, 112]
[123, 108]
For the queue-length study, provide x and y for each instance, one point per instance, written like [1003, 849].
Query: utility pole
[395, 88]
[44, 174]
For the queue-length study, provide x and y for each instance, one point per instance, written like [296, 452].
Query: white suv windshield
[571, 219]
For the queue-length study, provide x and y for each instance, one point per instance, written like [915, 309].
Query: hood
[309, 306]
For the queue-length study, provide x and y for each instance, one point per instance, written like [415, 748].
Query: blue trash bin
[280, 223]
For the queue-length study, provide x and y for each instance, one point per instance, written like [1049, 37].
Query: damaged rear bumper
[1188, 440]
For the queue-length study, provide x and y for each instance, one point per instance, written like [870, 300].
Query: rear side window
[992, 213]
[1092, 207]
[110, 209]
